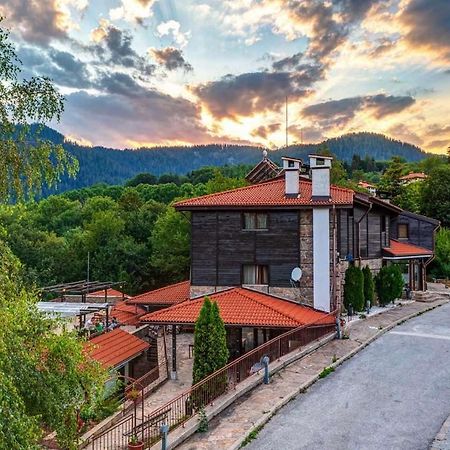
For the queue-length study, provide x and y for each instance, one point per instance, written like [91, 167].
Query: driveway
[395, 394]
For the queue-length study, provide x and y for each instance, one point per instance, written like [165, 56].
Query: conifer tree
[218, 351]
[354, 288]
[368, 285]
[202, 335]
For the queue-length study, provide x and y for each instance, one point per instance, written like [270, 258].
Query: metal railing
[113, 438]
[180, 409]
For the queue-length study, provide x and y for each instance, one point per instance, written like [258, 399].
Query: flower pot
[138, 446]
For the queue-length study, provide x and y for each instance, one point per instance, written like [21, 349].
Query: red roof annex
[127, 314]
[267, 194]
[109, 292]
[168, 295]
[115, 347]
[243, 307]
[403, 249]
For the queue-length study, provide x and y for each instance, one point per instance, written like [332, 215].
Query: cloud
[132, 11]
[39, 22]
[405, 134]
[113, 47]
[264, 131]
[171, 28]
[170, 58]
[130, 115]
[338, 113]
[61, 66]
[289, 63]
[426, 25]
[249, 93]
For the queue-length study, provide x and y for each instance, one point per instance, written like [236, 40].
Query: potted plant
[135, 444]
[133, 394]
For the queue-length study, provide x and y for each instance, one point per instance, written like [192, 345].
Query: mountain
[113, 166]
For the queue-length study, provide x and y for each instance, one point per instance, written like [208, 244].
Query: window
[403, 231]
[255, 221]
[290, 163]
[255, 274]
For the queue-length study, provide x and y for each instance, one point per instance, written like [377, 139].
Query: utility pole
[88, 269]
[287, 134]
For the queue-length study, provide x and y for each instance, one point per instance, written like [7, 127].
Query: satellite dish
[296, 274]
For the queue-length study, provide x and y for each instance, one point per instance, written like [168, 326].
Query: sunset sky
[153, 72]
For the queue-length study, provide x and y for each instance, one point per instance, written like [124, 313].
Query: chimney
[291, 168]
[320, 176]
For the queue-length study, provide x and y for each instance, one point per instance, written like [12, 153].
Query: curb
[442, 439]
[261, 422]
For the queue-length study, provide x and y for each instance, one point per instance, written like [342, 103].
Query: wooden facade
[420, 229]
[220, 247]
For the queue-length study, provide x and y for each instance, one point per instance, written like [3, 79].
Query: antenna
[287, 121]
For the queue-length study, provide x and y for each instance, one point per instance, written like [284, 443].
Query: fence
[186, 405]
[113, 438]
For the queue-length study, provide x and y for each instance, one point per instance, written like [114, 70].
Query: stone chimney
[320, 176]
[291, 167]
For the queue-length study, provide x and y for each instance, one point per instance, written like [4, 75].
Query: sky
[165, 72]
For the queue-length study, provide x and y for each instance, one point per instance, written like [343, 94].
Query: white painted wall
[321, 182]
[292, 182]
[321, 258]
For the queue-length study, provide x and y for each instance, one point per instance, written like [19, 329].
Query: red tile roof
[168, 295]
[399, 249]
[127, 314]
[267, 194]
[110, 293]
[365, 185]
[115, 347]
[414, 176]
[242, 307]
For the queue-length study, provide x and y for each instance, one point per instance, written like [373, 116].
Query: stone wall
[306, 287]
[199, 291]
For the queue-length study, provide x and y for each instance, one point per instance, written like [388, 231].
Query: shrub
[389, 284]
[368, 285]
[354, 288]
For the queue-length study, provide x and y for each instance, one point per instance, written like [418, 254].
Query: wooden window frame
[255, 284]
[256, 213]
[406, 225]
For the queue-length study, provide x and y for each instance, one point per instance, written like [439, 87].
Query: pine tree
[354, 288]
[218, 354]
[202, 334]
[389, 284]
[368, 285]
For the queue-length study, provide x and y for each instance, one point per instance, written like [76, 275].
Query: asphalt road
[394, 394]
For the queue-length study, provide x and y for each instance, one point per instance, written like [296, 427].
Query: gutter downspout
[359, 240]
[333, 287]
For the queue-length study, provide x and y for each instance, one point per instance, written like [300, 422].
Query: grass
[251, 436]
[325, 372]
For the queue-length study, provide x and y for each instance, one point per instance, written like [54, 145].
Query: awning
[114, 348]
[244, 308]
[405, 250]
[70, 309]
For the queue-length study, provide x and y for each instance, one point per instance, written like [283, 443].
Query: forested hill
[112, 166]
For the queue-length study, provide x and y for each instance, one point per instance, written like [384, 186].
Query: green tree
[142, 178]
[436, 195]
[46, 376]
[202, 340]
[410, 197]
[390, 182]
[218, 351]
[338, 174]
[28, 161]
[170, 243]
[441, 265]
[389, 284]
[354, 288]
[368, 285]
[221, 183]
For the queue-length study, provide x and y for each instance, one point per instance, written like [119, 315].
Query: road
[394, 394]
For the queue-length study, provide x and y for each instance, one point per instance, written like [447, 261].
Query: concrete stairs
[430, 296]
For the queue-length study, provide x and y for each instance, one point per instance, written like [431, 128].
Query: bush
[368, 285]
[389, 284]
[354, 288]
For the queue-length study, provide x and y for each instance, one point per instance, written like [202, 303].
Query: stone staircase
[431, 296]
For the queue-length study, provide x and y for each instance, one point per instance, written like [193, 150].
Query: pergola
[69, 309]
[83, 288]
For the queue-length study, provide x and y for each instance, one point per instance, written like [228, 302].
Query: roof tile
[267, 194]
[244, 307]
[168, 295]
[397, 248]
[115, 347]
